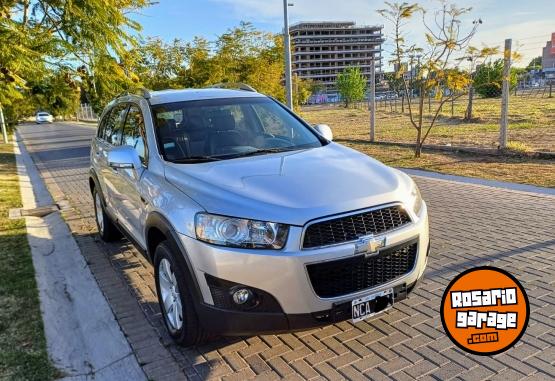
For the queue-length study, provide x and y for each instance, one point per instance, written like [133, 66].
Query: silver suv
[255, 221]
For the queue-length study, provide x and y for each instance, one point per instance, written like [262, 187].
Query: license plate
[370, 305]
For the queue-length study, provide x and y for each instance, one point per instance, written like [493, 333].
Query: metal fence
[531, 121]
[529, 124]
[86, 113]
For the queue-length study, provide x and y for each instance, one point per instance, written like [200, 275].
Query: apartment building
[548, 59]
[322, 50]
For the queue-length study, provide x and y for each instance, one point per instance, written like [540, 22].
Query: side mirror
[324, 130]
[124, 157]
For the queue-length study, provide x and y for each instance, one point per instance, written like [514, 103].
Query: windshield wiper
[195, 159]
[264, 151]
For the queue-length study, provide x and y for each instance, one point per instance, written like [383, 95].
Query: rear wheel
[106, 228]
[175, 299]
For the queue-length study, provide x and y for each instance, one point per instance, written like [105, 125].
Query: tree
[476, 57]
[160, 65]
[488, 80]
[45, 34]
[535, 64]
[57, 93]
[302, 90]
[351, 85]
[445, 38]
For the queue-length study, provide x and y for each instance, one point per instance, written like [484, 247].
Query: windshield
[43, 114]
[218, 129]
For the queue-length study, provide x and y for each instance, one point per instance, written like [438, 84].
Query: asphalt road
[471, 225]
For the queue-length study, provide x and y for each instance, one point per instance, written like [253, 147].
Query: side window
[134, 132]
[102, 125]
[114, 123]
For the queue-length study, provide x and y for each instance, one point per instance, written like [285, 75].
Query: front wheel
[175, 299]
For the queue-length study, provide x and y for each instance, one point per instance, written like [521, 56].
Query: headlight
[415, 199]
[238, 232]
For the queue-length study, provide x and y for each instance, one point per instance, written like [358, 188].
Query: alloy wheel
[171, 298]
[99, 213]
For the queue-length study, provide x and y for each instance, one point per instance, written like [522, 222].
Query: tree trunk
[468, 114]
[418, 148]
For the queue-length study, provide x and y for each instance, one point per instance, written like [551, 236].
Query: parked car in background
[254, 220]
[44, 117]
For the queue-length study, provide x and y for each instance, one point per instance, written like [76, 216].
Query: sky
[529, 23]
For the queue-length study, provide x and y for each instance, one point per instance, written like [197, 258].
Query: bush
[488, 81]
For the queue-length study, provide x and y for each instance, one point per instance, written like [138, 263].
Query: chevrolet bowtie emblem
[369, 245]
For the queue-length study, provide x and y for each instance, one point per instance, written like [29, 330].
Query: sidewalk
[84, 340]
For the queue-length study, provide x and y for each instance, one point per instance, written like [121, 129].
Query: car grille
[352, 227]
[346, 276]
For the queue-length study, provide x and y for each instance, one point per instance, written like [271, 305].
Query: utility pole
[287, 44]
[503, 138]
[372, 99]
[3, 123]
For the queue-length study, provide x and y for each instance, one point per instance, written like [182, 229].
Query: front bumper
[283, 275]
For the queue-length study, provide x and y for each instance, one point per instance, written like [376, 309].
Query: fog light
[242, 296]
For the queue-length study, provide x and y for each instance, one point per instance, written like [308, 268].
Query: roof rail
[142, 92]
[145, 93]
[235, 86]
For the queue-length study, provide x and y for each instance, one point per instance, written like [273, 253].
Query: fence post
[503, 138]
[372, 101]
[551, 89]
[3, 123]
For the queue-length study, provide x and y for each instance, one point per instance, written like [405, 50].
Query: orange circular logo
[485, 310]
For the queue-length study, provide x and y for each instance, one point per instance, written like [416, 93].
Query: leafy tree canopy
[351, 85]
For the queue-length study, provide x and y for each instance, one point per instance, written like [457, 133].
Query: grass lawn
[502, 168]
[531, 123]
[532, 128]
[23, 354]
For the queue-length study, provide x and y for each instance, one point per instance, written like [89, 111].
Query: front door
[130, 204]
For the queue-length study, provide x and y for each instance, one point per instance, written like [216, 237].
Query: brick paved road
[470, 225]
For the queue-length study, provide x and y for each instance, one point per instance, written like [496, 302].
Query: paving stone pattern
[471, 225]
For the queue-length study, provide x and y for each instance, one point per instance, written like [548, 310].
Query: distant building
[548, 59]
[322, 50]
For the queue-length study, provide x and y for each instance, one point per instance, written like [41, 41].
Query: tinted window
[133, 132]
[112, 131]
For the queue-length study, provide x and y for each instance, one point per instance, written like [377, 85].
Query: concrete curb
[521, 188]
[84, 340]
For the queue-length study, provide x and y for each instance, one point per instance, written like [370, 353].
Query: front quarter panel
[167, 200]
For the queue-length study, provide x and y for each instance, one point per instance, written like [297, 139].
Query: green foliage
[488, 80]
[242, 54]
[57, 93]
[40, 36]
[351, 85]
[535, 64]
[161, 65]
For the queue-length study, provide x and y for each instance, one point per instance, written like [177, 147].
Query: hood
[290, 187]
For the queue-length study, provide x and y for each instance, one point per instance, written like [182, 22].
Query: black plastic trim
[156, 220]
[244, 323]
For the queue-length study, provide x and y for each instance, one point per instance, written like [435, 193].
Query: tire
[107, 230]
[187, 331]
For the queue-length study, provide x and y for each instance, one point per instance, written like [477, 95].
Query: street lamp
[287, 43]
